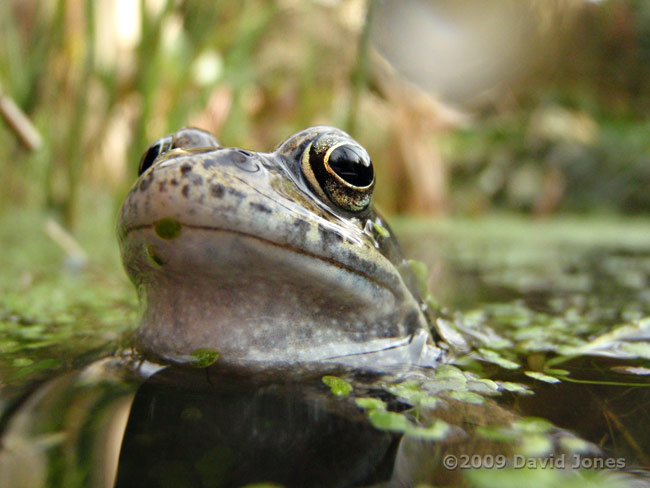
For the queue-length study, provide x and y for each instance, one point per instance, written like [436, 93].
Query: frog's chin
[377, 355]
[251, 300]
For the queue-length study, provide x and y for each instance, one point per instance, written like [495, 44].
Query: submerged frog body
[272, 257]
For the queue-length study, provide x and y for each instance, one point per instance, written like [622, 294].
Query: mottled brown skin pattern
[233, 250]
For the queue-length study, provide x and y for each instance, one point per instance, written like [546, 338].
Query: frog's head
[264, 256]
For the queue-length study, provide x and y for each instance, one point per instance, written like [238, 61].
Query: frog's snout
[214, 160]
[238, 158]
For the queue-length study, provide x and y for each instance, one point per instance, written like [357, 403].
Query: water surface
[557, 308]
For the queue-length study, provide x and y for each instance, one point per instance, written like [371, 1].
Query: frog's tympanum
[271, 257]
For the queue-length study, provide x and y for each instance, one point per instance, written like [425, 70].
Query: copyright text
[499, 461]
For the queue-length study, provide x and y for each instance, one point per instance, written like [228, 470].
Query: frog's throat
[256, 301]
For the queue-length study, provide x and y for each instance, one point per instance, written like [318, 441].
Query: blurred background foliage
[561, 128]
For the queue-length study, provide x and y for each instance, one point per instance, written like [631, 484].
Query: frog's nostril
[244, 161]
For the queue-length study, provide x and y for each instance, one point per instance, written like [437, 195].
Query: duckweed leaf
[338, 386]
[380, 229]
[167, 228]
[435, 432]
[43, 365]
[370, 403]
[432, 303]
[635, 370]
[638, 330]
[429, 402]
[204, 357]
[410, 391]
[575, 445]
[636, 349]
[530, 475]
[541, 377]
[413, 394]
[533, 434]
[532, 425]
[22, 362]
[448, 371]
[497, 433]
[483, 386]
[391, 421]
[448, 330]
[512, 478]
[467, 397]
[515, 387]
[496, 358]
[536, 445]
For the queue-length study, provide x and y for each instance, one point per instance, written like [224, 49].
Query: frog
[269, 257]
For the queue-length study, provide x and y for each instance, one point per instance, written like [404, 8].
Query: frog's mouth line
[287, 247]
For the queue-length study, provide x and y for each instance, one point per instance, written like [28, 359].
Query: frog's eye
[193, 138]
[184, 138]
[159, 147]
[340, 170]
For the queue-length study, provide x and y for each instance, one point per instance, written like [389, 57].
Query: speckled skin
[260, 268]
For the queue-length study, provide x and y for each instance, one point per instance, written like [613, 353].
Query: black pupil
[347, 162]
[151, 154]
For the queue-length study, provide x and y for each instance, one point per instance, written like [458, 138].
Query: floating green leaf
[514, 387]
[370, 403]
[380, 229]
[437, 431]
[391, 421]
[632, 370]
[575, 445]
[429, 402]
[338, 386]
[37, 367]
[636, 349]
[202, 358]
[541, 377]
[467, 397]
[535, 445]
[410, 391]
[497, 433]
[532, 425]
[167, 229]
[496, 358]
[484, 386]
[446, 371]
[530, 474]
[512, 478]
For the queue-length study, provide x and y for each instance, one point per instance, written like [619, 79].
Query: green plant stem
[360, 76]
[74, 149]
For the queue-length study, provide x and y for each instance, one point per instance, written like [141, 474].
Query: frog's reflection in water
[216, 427]
[119, 424]
[127, 423]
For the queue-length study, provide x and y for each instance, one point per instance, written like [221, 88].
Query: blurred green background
[564, 131]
